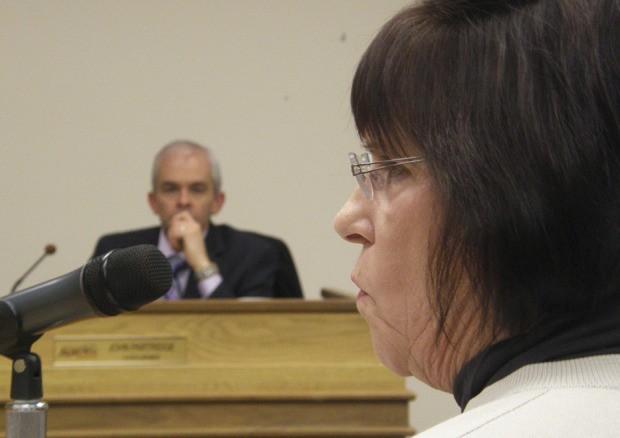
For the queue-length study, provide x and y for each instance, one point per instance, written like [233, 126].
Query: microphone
[49, 250]
[121, 280]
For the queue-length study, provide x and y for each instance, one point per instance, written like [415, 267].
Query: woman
[489, 210]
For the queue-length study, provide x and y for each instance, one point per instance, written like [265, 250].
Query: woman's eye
[395, 172]
[377, 178]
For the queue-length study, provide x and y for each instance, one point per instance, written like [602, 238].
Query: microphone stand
[26, 414]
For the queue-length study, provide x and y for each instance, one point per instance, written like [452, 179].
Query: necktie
[178, 265]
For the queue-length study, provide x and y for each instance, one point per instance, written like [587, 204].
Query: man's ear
[152, 202]
[218, 202]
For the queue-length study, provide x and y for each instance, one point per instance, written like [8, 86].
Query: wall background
[90, 90]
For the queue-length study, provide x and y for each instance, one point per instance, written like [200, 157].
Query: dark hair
[516, 106]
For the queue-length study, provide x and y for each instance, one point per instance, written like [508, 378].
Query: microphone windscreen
[50, 248]
[126, 279]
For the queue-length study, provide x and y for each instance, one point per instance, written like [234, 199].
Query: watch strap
[207, 272]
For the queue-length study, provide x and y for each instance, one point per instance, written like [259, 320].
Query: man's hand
[185, 235]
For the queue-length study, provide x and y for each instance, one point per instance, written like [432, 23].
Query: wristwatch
[207, 272]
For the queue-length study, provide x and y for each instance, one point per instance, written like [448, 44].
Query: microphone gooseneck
[49, 249]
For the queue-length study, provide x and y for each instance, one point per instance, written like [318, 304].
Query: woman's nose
[352, 222]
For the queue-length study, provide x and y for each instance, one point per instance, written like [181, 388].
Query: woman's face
[394, 230]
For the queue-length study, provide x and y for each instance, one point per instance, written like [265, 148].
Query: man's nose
[183, 197]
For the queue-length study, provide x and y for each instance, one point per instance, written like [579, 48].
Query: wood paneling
[281, 368]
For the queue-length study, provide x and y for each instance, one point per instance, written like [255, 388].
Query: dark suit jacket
[251, 264]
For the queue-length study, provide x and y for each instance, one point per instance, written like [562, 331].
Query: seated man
[208, 260]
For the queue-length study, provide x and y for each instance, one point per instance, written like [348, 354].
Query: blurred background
[90, 90]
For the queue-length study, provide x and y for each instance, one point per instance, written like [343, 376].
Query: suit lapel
[215, 243]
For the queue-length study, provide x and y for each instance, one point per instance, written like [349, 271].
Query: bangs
[379, 116]
[398, 92]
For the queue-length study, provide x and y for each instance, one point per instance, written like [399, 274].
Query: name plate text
[119, 350]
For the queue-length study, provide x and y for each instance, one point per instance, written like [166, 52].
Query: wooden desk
[281, 368]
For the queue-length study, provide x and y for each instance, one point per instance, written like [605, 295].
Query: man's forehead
[184, 168]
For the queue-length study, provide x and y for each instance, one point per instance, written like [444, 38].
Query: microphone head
[50, 248]
[126, 279]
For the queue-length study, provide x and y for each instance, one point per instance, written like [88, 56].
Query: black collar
[562, 340]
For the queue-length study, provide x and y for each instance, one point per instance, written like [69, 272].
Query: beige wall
[91, 89]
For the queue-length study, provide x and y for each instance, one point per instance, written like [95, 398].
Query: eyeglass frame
[359, 173]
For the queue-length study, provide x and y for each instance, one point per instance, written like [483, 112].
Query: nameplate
[119, 350]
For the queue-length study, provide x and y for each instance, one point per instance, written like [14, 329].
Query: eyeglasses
[374, 176]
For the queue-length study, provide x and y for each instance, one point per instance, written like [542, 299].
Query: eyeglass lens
[362, 179]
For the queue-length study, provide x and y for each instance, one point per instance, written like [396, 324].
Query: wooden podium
[280, 368]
